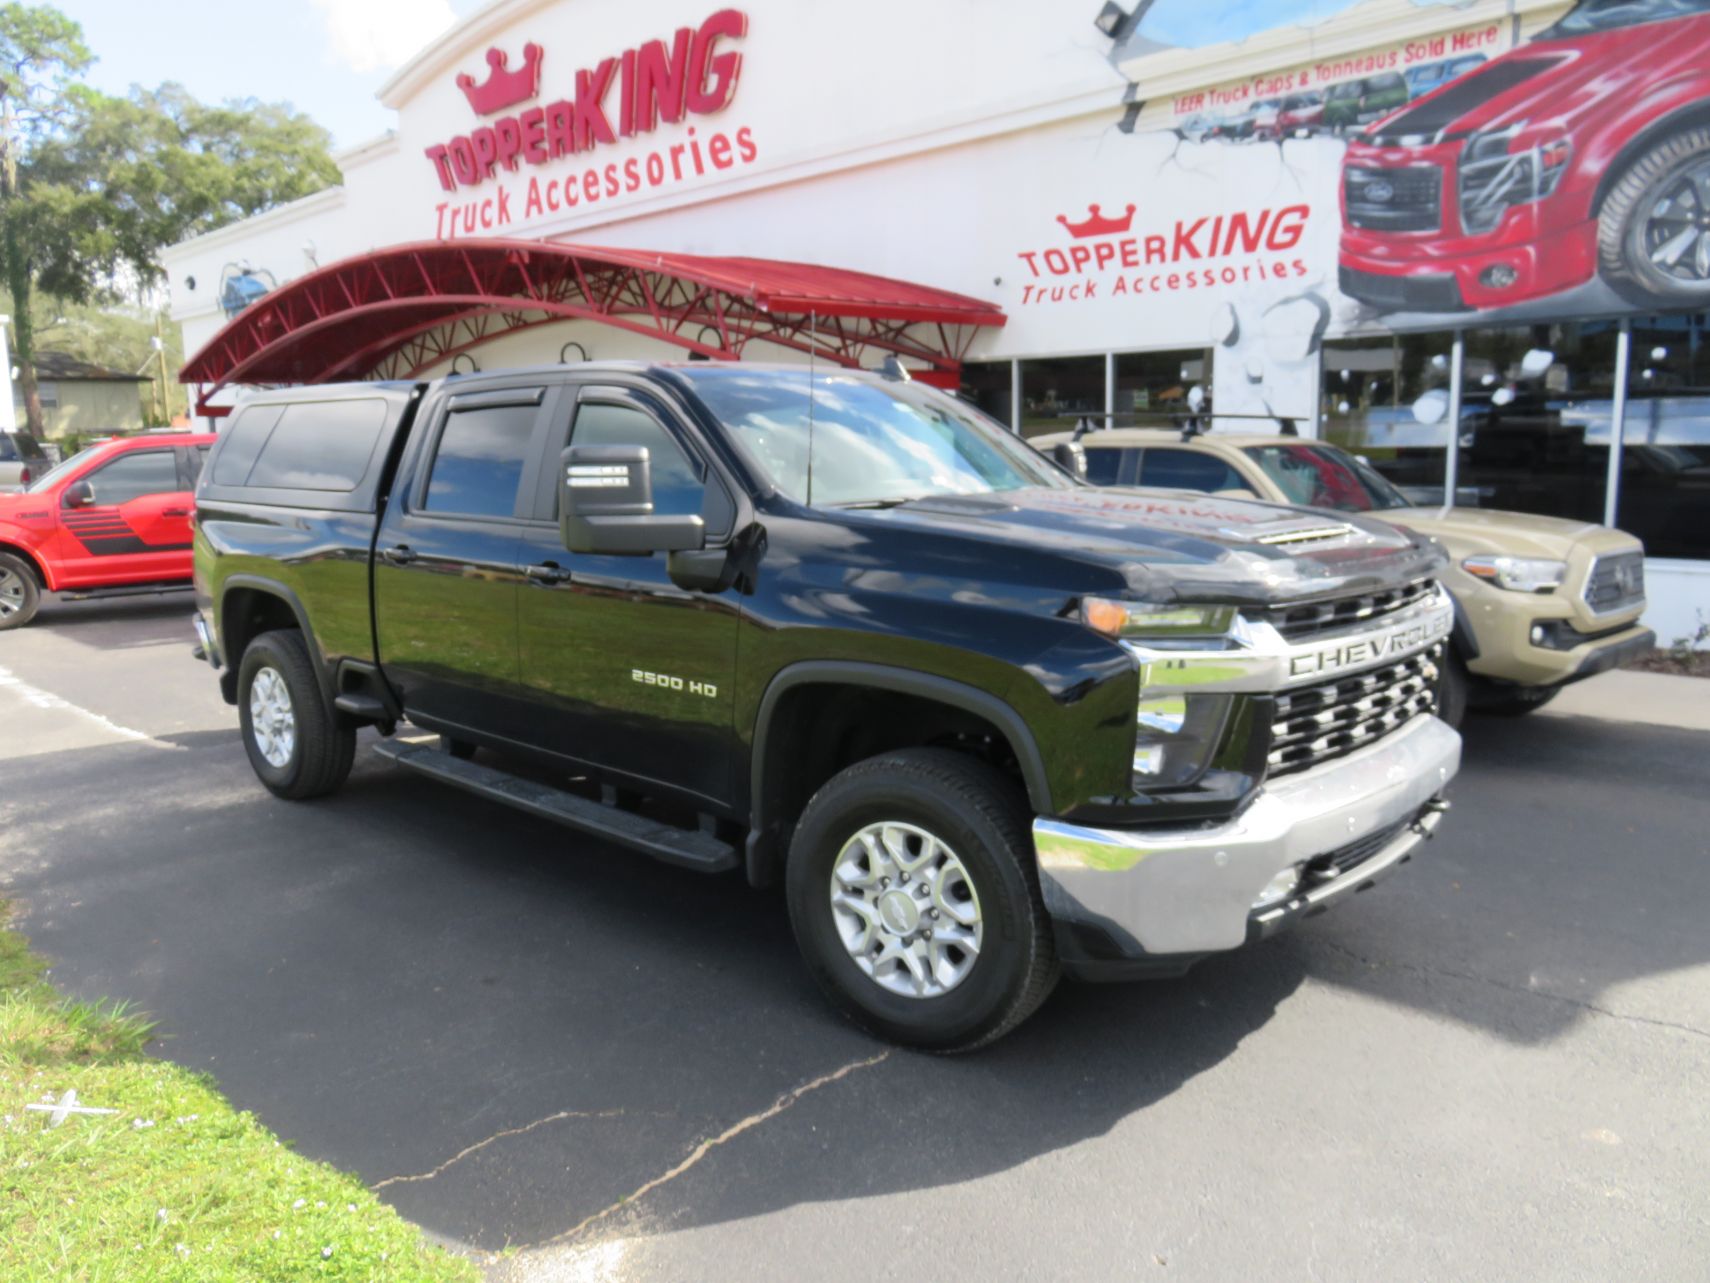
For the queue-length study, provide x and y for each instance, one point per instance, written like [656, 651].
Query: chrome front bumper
[1193, 890]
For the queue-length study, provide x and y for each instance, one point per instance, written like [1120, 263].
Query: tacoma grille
[1314, 618]
[1317, 723]
[1406, 199]
[1616, 582]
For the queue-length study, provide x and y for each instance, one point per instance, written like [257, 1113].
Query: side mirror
[605, 505]
[79, 494]
[1071, 457]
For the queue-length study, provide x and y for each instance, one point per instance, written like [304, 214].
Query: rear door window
[480, 459]
[134, 475]
[1188, 470]
[320, 445]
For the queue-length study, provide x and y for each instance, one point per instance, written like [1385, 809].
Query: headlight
[1175, 736]
[1143, 621]
[1518, 574]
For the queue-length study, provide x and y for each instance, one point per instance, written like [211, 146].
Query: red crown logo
[1097, 224]
[503, 88]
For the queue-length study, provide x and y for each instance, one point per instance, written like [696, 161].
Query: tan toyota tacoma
[1539, 601]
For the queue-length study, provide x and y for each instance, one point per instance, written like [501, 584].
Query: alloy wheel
[906, 909]
[272, 720]
[1675, 230]
[11, 593]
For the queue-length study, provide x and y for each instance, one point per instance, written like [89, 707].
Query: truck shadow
[511, 1029]
[120, 623]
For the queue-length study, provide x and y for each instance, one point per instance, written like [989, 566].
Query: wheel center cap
[899, 913]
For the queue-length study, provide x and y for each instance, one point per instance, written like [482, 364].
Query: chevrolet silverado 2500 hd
[985, 722]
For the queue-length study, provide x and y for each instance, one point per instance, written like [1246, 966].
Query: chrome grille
[1617, 581]
[1317, 723]
[1406, 199]
[1297, 622]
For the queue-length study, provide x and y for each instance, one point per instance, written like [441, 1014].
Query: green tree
[101, 184]
[40, 50]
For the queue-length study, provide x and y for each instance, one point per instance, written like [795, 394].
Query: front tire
[1517, 701]
[1653, 244]
[295, 742]
[1452, 690]
[915, 901]
[20, 594]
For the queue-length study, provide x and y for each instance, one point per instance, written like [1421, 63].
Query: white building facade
[1409, 227]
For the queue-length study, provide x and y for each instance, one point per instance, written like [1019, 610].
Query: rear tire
[1644, 216]
[984, 957]
[296, 743]
[20, 594]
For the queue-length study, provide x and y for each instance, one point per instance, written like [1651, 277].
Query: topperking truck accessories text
[984, 723]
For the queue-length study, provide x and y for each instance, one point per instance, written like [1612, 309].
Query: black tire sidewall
[32, 593]
[979, 1002]
[273, 651]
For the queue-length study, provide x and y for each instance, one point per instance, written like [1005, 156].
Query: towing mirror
[605, 505]
[79, 494]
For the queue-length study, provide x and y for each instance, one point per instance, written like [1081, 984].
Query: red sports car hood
[1551, 81]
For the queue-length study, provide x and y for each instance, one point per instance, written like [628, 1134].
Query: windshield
[873, 443]
[1607, 15]
[50, 478]
[1320, 476]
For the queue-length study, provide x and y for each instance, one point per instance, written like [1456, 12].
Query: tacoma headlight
[1175, 736]
[1145, 621]
[1518, 574]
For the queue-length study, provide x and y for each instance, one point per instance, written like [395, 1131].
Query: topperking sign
[624, 96]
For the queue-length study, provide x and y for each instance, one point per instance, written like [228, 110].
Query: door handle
[548, 573]
[402, 555]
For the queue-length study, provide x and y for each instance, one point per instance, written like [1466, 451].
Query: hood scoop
[1292, 534]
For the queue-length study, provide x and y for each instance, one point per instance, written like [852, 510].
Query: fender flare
[19, 548]
[1687, 113]
[904, 681]
[273, 588]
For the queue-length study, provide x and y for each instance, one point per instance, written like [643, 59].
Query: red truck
[111, 520]
[1585, 153]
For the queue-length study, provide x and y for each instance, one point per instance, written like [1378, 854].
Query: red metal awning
[396, 312]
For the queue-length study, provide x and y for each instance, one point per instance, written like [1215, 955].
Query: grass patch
[177, 1185]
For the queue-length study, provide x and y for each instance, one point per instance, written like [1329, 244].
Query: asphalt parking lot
[1493, 1066]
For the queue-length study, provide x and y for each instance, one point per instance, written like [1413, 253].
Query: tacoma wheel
[914, 898]
[20, 595]
[1653, 232]
[295, 742]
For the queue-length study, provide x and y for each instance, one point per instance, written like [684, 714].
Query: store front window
[1665, 456]
[1387, 400]
[1055, 390]
[1536, 407]
[1152, 388]
[986, 384]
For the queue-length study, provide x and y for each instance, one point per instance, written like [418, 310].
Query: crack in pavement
[458, 1157]
[1523, 991]
[701, 1150]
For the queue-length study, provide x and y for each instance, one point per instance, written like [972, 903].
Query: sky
[325, 57]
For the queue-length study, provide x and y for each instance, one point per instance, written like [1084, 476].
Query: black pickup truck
[984, 722]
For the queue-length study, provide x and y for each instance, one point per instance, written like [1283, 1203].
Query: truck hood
[1518, 534]
[1174, 545]
[1557, 80]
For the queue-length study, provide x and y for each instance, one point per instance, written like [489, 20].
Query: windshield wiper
[879, 503]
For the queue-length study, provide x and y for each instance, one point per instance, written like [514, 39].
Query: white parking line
[39, 698]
